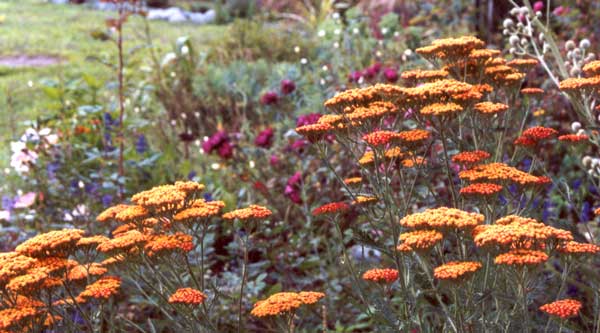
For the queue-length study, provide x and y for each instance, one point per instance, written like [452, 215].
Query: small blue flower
[208, 197]
[192, 174]
[8, 203]
[576, 184]
[586, 212]
[141, 145]
[547, 211]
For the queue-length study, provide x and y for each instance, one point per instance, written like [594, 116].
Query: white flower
[321, 33]
[52, 139]
[4, 215]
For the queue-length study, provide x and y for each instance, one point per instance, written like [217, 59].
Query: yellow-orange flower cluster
[249, 213]
[56, 243]
[532, 91]
[361, 200]
[187, 296]
[384, 275]
[419, 75]
[419, 240]
[103, 289]
[123, 242]
[285, 303]
[575, 84]
[456, 270]
[451, 48]
[442, 218]
[521, 257]
[565, 308]
[574, 138]
[165, 244]
[498, 172]
[110, 213]
[489, 108]
[82, 272]
[200, 209]
[380, 138]
[353, 180]
[314, 132]
[441, 109]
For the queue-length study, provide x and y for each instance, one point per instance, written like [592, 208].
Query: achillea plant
[447, 201]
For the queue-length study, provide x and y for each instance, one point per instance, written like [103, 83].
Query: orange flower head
[284, 303]
[451, 48]
[200, 209]
[91, 242]
[532, 91]
[380, 138]
[579, 84]
[442, 218]
[190, 188]
[456, 270]
[521, 257]
[470, 157]
[134, 214]
[362, 200]
[418, 75]
[249, 213]
[539, 133]
[565, 308]
[489, 108]
[58, 243]
[574, 138]
[414, 137]
[82, 272]
[419, 240]
[166, 244]
[441, 109]
[164, 197]
[32, 282]
[414, 161]
[187, 296]
[498, 172]
[481, 189]
[55, 266]
[523, 65]
[13, 264]
[314, 132]
[110, 213]
[123, 242]
[353, 181]
[383, 275]
[572, 247]
[517, 232]
[12, 319]
[331, 208]
[103, 289]
[592, 68]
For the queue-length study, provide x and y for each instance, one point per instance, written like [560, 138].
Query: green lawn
[35, 27]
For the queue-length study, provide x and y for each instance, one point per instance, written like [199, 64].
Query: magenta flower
[264, 139]
[287, 86]
[274, 160]
[308, 119]
[560, 10]
[391, 75]
[269, 98]
[372, 71]
[220, 143]
[293, 186]
[538, 6]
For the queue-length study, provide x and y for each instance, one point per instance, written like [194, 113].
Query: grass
[35, 27]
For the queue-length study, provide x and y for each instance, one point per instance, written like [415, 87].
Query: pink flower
[354, 76]
[293, 186]
[287, 86]
[25, 200]
[269, 98]
[371, 71]
[274, 160]
[538, 6]
[391, 75]
[560, 10]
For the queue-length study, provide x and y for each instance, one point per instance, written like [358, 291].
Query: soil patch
[16, 61]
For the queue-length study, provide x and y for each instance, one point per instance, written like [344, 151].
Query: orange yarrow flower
[187, 296]
[284, 303]
[565, 308]
[573, 247]
[385, 275]
[456, 270]
[521, 257]
[442, 218]
[419, 240]
[58, 243]
[481, 189]
[251, 212]
[470, 157]
[331, 208]
[102, 289]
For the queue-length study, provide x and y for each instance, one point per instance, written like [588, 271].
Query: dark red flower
[287, 86]
[269, 98]
[293, 186]
[355, 76]
[308, 119]
[220, 143]
[372, 71]
[264, 139]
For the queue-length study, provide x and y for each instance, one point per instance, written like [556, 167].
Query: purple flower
[287, 86]
[141, 145]
[269, 98]
[292, 188]
[298, 146]
[192, 174]
[538, 6]
[308, 119]
[391, 75]
[226, 150]
[264, 139]
[107, 200]
[8, 203]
